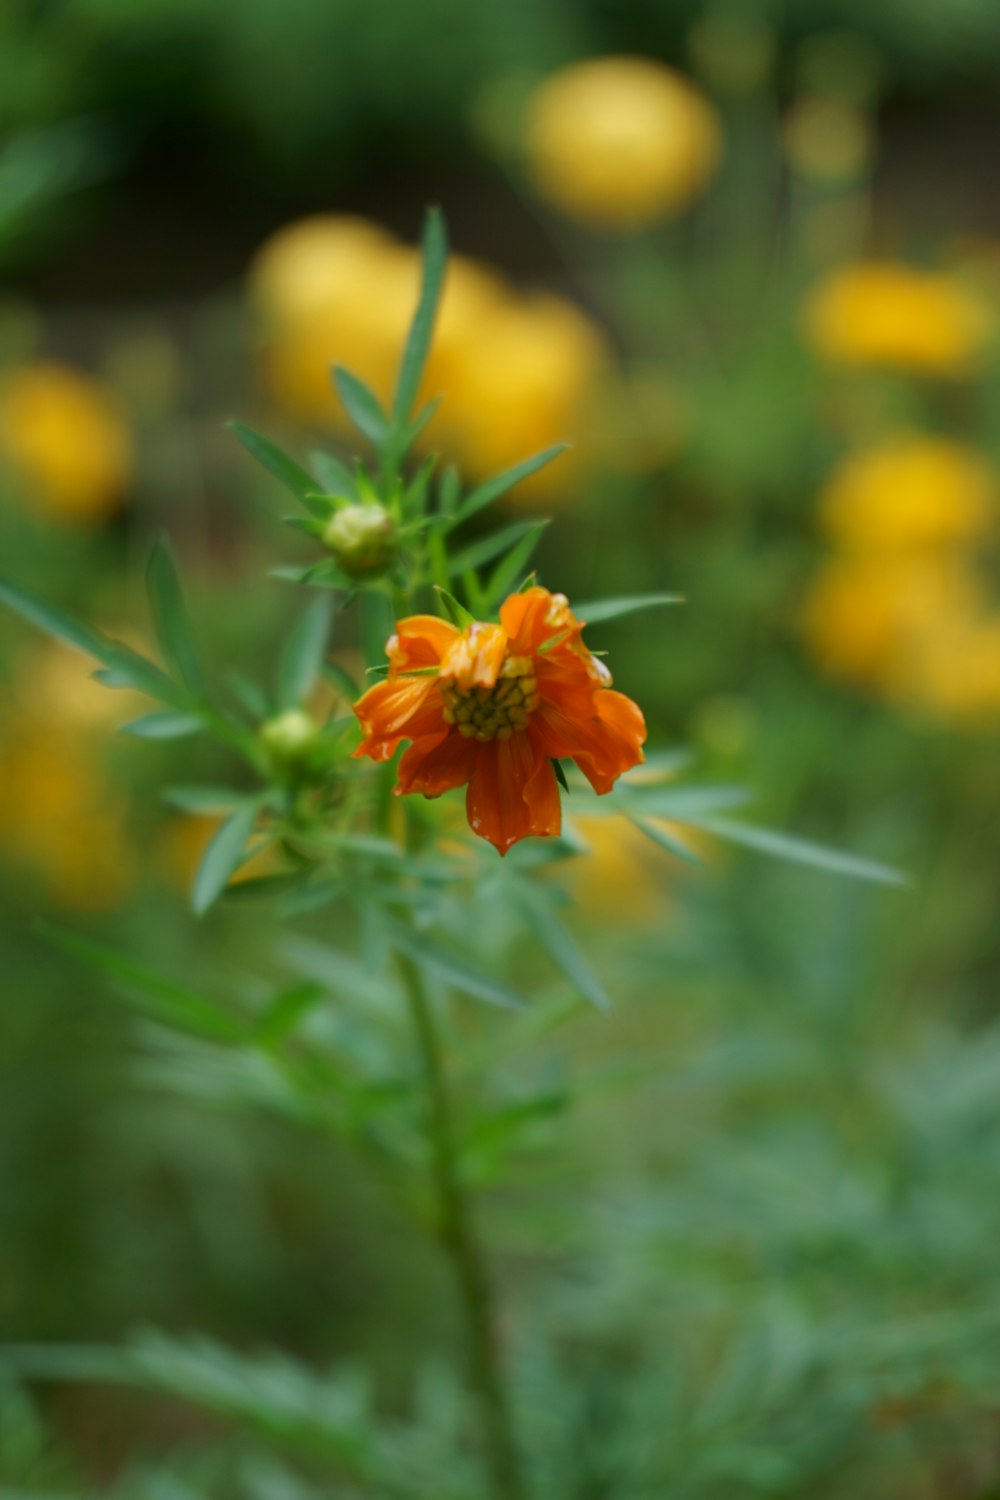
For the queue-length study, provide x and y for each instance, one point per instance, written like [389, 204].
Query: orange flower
[492, 706]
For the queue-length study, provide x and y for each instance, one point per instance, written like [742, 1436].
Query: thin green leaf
[422, 420]
[452, 610]
[163, 999]
[449, 491]
[682, 804]
[362, 406]
[596, 611]
[556, 940]
[335, 477]
[302, 659]
[125, 667]
[291, 474]
[250, 694]
[560, 775]
[665, 839]
[803, 851]
[173, 628]
[208, 799]
[503, 578]
[164, 726]
[486, 548]
[222, 858]
[418, 343]
[286, 1010]
[491, 489]
[452, 970]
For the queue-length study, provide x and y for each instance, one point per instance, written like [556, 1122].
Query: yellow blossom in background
[516, 372]
[62, 819]
[954, 672]
[526, 378]
[910, 492]
[620, 142]
[616, 880]
[62, 433]
[866, 616]
[885, 313]
[338, 290]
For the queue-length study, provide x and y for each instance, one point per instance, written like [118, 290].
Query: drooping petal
[475, 657]
[603, 742]
[420, 641]
[404, 709]
[534, 617]
[437, 763]
[513, 793]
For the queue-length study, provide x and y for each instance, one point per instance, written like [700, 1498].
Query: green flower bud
[362, 538]
[290, 741]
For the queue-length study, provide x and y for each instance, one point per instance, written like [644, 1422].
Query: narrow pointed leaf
[453, 611]
[682, 804]
[302, 659]
[335, 477]
[170, 617]
[205, 799]
[124, 667]
[418, 343]
[486, 548]
[362, 406]
[491, 489]
[452, 970]
[164, 726]
[286, 1010]
[664, 838]
[596, 611]
[222, 858]
[508, 570]
[557, 941]
[291, 474]
[164, 999]
[803, 851]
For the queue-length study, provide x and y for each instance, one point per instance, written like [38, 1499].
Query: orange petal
[535, 616]
[513, 793]
[476, 656]
[604, 743]
[420, 641]
[437, 763]
[390, 712]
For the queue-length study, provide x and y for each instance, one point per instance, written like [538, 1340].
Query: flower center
[489, 713]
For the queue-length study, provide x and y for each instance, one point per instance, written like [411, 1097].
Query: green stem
[460, 1241]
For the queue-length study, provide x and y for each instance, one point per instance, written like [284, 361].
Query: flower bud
[362, 538]
[290, 741]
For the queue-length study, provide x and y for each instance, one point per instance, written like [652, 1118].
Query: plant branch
[460, 1241]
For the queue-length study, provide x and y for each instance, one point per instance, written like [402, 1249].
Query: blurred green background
[759, 1249]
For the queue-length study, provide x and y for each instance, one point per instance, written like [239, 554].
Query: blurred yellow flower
[617, 877]
[525, 379]
[61, 820]
[955, 670]
[910, 492]
[885, 313]
[866, 615]
[338, 290]
[62, 433]
[621, 142]
[517, 373]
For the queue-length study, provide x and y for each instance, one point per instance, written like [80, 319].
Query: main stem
[460, 1241]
